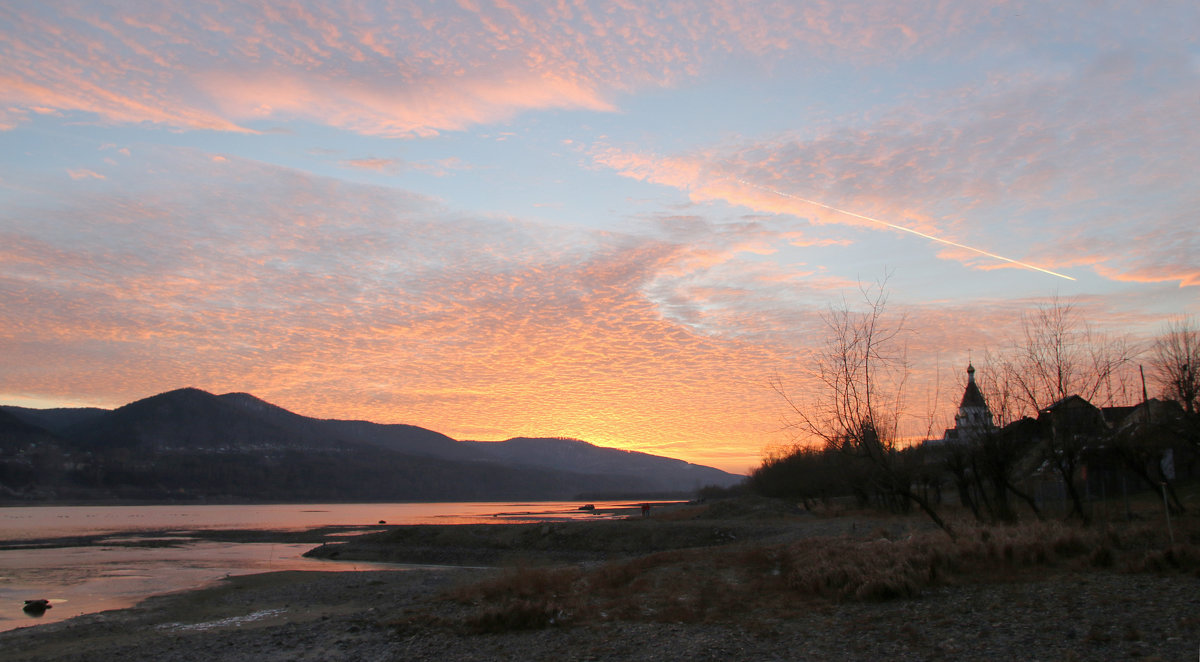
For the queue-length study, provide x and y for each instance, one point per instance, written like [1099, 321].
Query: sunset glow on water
[92, 578]
[24, 523]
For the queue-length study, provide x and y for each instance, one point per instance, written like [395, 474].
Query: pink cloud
[412, 70]
[418, 108]
[351, 301]
[1188, 276]
[801, 240]
[372, 163]
[340, 300]
[84, 173]
[1020, 167]
[10, 118]
[337, 300]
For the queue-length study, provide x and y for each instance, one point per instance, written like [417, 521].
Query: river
[109, 574]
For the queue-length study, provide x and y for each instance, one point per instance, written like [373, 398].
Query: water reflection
[84, 580]
[58, 521]
[150, 550]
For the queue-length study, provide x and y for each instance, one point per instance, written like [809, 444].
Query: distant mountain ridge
[189, 444]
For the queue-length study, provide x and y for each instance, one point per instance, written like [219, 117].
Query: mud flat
[795, 588]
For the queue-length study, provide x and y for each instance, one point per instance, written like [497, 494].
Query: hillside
[192, 445]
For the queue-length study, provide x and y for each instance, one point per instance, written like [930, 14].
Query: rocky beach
[707, 583]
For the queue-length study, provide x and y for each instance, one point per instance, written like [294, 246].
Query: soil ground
[728, 582]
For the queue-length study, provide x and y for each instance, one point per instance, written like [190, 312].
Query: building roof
[1115, 415]
[972, 396]
[1070, 401]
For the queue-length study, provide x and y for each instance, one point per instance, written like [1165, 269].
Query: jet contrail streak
[904, 229]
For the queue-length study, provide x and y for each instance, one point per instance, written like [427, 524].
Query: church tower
[974, 418]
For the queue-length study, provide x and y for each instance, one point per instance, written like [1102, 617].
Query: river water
[108, 575]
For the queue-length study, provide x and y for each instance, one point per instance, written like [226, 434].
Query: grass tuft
[1103, 557]
[742, 579]
[518, 615]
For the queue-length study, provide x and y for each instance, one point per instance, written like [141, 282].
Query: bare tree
[1175, 361]
[862, 370]
[802, 472]
[1001, 388]
[1059, 355]
[987, 469]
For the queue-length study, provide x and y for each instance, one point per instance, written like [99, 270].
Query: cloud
[344, 300]
[1031, 129]
[10, 118]
[1019, 167]
[373, 163]
[417, 69]
[1173, 260]
[84, 173]
[801, 240]
[415, 108]
[1186, 276]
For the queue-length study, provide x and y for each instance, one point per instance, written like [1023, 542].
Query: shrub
[1103, 557]
[746, 580]
[1070, 545]
[518, 615]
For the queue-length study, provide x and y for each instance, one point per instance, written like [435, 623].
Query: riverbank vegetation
[836, 556]
[1058, 420]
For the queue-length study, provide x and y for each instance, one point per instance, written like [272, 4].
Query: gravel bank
[1052, 601]
[354, 616]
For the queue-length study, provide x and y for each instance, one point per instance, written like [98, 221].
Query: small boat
[590, 506]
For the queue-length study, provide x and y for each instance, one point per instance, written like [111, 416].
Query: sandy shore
[1065, 611]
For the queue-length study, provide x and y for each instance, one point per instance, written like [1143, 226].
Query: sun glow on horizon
[503, 219]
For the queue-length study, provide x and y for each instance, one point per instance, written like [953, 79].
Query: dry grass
[522, 599]
[767, 581]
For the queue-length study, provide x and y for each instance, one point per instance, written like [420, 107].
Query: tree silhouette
[1175, 359]
[862, 369]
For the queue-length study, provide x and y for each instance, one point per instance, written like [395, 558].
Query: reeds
[741, 580]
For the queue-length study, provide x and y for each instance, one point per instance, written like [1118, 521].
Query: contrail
[904, 229]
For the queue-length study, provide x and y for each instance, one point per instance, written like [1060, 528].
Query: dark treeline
[1062, 420]
[1008, 472]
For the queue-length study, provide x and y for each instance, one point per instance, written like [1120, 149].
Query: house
[1074, 421]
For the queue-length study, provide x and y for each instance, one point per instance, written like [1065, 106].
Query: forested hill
[192, 445]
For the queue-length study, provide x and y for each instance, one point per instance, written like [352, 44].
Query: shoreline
[678, 497]
[675, 589]
[40, 567]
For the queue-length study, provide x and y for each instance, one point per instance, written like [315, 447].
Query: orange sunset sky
[612, 221]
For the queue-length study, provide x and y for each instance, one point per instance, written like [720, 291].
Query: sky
[614, 221]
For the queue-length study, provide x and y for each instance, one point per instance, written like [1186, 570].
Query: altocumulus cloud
[325, 295]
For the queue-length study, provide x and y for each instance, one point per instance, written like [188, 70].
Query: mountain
[190, 444]
[55, 420]
[192, 420]
[573, 454]
[30, 456]
[17, 433]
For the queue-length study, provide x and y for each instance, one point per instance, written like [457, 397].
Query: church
[974, 419]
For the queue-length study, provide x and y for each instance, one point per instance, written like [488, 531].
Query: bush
[1103, 557]
[518, 615]
[744, 581]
